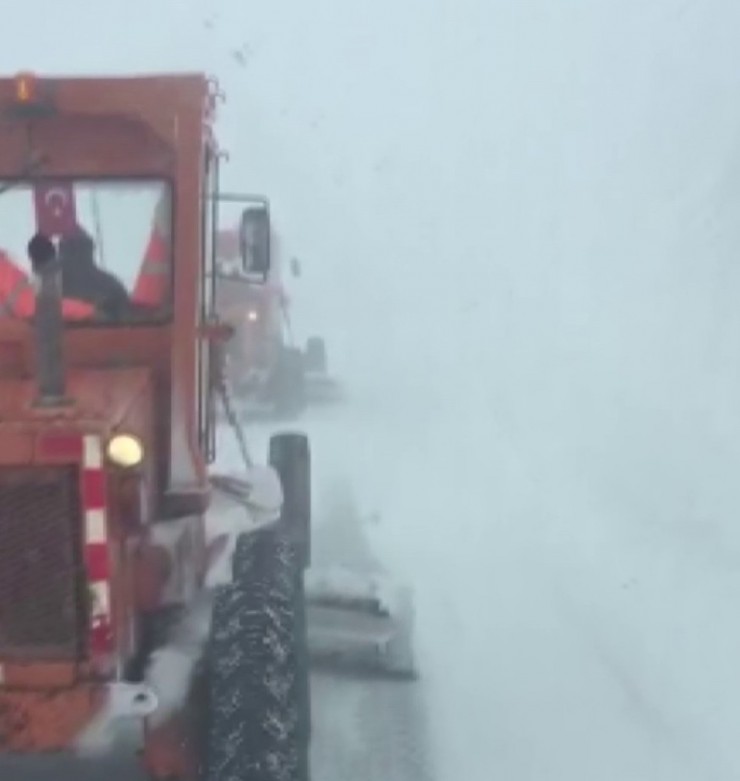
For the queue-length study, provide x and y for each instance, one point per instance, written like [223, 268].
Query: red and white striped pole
[97, 550]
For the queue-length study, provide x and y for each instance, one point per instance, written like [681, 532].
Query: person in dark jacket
[84, 280]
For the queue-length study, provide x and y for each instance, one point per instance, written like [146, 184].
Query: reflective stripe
[96, 541]
[96, 529]
[92, 453]
[100, 593]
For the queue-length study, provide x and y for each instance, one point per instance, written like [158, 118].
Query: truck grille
[41, 571]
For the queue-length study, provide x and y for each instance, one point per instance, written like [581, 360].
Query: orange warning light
[25, 88]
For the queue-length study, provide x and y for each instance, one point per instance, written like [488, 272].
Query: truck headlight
[125, 450]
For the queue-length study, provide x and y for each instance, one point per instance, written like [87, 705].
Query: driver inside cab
[83, 280]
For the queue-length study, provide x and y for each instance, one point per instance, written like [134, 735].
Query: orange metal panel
[48, 720]
[17, 448]
[49, 675]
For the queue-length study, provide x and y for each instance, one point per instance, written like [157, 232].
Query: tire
[254, 728]
[290, 456]
[288, 383]
[315, 356]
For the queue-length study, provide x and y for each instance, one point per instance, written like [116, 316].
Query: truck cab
[108, 343]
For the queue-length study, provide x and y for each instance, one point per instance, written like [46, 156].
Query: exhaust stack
[48, 323]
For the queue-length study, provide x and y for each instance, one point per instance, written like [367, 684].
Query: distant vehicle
[267, 371]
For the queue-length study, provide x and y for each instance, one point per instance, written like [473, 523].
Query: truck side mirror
[295, 267]
[254, 241]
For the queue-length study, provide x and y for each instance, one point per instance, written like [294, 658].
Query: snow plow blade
[319, 391]
[322, 389]
[359, 626]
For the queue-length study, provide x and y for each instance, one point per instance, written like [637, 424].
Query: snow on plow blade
[359, 625]
[322, 389]
[319, 390]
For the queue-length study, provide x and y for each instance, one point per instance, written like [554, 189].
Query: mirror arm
[216, 331]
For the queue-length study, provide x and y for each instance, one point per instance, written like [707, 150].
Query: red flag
[56, 212]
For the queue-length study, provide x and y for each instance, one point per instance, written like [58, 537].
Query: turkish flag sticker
[56, 212]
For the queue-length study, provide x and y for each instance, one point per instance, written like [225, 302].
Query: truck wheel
[289, 382]
[315, 356]
[254, 690]
[290, 456]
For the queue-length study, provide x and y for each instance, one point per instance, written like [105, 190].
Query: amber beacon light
[26, 88]
[31, 96]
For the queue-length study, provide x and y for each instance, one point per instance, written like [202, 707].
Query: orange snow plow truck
[149, 612]
[270, 374]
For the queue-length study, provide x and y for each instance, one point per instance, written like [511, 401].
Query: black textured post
[48, 322]
[290, 456]
[303, 676]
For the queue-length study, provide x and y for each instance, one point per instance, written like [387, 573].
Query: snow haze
[520, 236]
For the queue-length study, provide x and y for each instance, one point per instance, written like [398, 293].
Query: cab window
[113, 240]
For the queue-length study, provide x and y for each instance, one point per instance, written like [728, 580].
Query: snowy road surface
[558, 639]
[369, 731]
